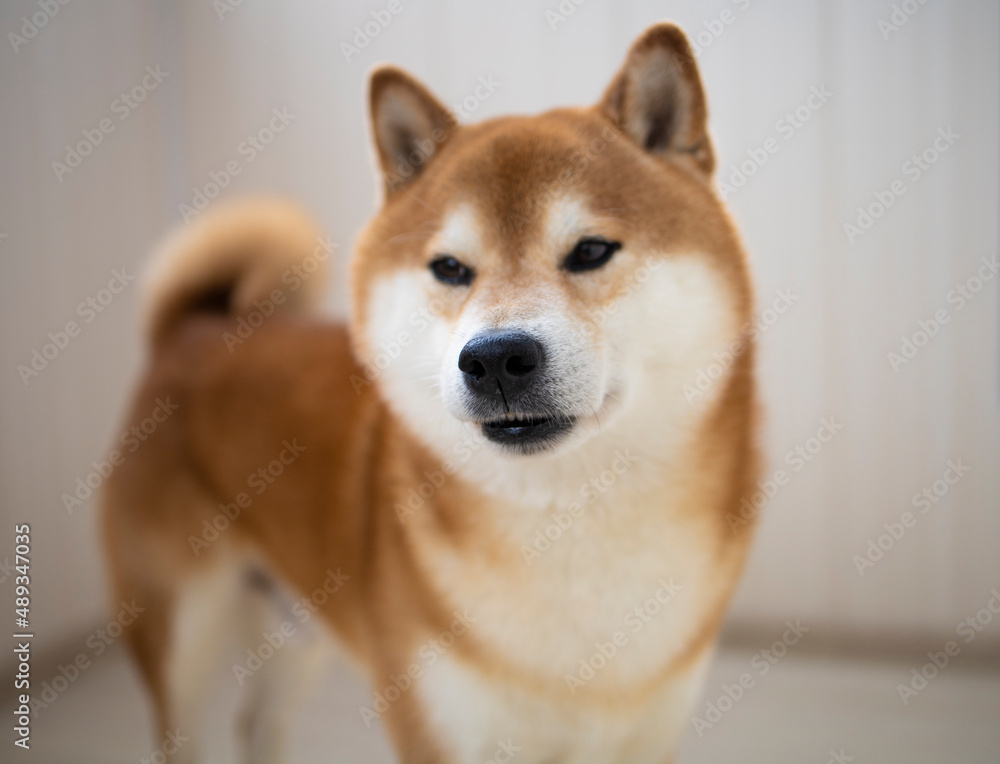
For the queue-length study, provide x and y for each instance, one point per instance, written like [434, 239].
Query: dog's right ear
[409, 124]
[657, 98]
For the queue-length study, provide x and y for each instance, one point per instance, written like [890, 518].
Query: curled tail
[233, 256]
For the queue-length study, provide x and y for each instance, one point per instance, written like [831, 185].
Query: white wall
[825, 357]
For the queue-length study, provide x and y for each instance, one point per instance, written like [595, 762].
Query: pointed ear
[409, 124]
[657, 98]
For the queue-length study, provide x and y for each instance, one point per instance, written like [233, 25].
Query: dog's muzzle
[505, 374]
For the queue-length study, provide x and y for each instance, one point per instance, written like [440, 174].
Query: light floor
[805, 709]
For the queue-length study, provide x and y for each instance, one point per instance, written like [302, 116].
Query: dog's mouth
[527, 433]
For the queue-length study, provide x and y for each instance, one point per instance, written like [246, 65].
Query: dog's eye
[451, 271]
[589, 254]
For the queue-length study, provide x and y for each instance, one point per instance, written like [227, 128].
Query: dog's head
[532, 281]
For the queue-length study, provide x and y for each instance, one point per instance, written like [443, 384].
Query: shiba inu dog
[496, 488]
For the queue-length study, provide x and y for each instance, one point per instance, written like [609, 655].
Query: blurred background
[858, 149]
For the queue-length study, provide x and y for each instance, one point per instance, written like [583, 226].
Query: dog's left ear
[658, 100]
[409, 123]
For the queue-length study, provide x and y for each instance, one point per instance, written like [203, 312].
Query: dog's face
[530, 281]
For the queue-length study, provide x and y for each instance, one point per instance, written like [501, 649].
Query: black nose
[501, 362]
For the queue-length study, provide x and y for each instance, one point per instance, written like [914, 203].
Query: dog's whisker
[408, 235]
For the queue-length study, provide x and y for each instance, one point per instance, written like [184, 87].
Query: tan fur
[334, 506]
[249, 245]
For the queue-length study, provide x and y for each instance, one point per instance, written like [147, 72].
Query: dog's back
[250, 450]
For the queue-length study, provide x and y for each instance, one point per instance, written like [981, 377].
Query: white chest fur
[481, 721]
[582, 615]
